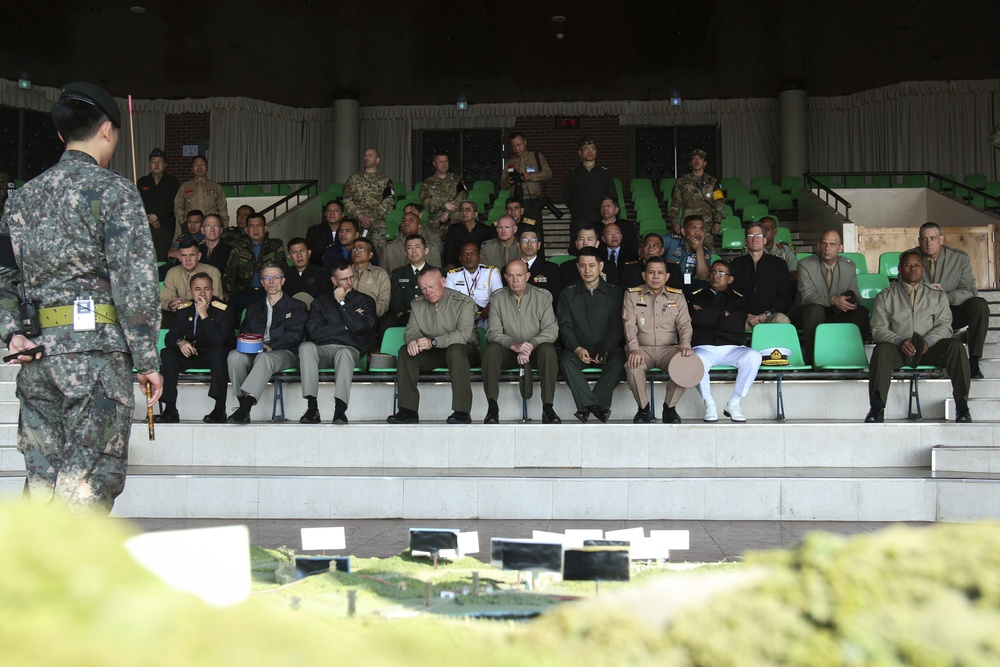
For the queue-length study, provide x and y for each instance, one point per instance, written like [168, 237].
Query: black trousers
[948, 354]
[975, 314]
[172, 362]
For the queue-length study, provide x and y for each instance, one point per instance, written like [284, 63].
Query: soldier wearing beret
[80, 236]
[698, 192]
[158, 189]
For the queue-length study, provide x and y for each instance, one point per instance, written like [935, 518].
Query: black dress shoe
[549, 416]
[670, 415]
[964, 417]
[643, 416]
[974, 371]
[458, 417]
[340, 418]
[582, 415]
[404, 416]
[875, 416]
[492, 413]
[168, 416]
[602, 415]
[239, 416]
[311, 416]
[216, 416]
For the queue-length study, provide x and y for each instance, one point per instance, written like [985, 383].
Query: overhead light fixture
[24, 84]
[462, 103]
[558, 19]
[675, 101]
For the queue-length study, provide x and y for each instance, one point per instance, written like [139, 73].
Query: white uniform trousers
[747, 362]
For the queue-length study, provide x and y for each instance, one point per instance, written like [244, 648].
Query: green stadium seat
[781, 202]
[645, 200]
[779, 335]
[399, 187]
[860, 263]
[645, 212]
[733, 239]
[644, 183]
[741, 202]
[757, 182]
[766, 191]
[282, 189]
[731, 222]
[252, 190]
[561, 259]
[652, 225]
[914, 181]
[336, 190]
[667, 186]
[855, 181]
[839, 348]
[882, 181]
[870, 285]
[888, 264]
[228, 190]
[729, 182]
[753, 212]
[977, 181]
[735, 191]
[799, 256]
[485, 184]
[792, 185]
[728, 210]
[784, 235]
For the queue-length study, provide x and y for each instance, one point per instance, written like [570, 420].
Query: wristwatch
[343, 303]
[434, 342]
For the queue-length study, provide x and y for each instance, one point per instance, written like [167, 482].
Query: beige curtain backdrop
[936, 126]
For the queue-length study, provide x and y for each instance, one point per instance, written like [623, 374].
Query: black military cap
[585, 141]
[157, 152]
[93, 95]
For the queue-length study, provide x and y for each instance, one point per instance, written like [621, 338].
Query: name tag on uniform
[541, 279]
[640, 304]
[671, 304]
[404, 280]
[84, 317]
[531, 170]
[687, 278]
[287, 315]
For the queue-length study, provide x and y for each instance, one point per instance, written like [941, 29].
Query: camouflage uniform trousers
[376, 234]
[76, 415]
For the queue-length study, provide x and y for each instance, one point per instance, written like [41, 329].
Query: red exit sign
[567, 123]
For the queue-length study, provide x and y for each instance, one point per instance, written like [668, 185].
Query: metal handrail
[944, 185]
[302, 190]
[823, 190]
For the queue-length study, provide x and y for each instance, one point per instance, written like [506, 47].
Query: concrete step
[975, 460]
[372, 402]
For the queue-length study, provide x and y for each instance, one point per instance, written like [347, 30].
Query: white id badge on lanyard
[687, 278]
[84, 317]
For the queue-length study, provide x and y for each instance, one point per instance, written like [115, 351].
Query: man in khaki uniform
[368, 278]
[657, 326]
[951, 271]
[533, 170]
[522, 331]
[774, 247]
[440, 196]
[395, 250]
[201, 193]
[499, 251]
[176, 292]
[368, 197]
[440, 332]
[911, 324]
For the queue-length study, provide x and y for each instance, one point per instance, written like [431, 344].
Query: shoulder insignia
[458, 270]
[185, 304]
[528, 221]
[220, 305]
[779, 244]
[631, 261]
[635, 289]
[488, 266]
[698, 291]
[675, 290]
[736, 293]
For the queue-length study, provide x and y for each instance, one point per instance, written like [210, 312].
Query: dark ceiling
[306, 53]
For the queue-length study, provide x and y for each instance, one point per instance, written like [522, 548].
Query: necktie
[933, 269]
[614, 256]
[829, 277]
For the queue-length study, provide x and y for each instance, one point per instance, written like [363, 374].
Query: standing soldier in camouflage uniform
[201, 193]
[79, 232]
[699, 193]
[440, 196]
[368, 196]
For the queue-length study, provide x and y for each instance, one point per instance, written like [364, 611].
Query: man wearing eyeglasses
[719, 316]
[368, 278]
[282, 321]
[763, 280]
[950, 270]
[541, 272]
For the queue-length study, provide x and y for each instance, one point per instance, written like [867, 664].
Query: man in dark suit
[304, 276]
[631, 273]
[542, 273]
[200, 337]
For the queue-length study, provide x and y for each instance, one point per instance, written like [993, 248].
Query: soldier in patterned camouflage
[79, 231]
[699, 193]
[440, 196]
[368, 197]
[241, 278]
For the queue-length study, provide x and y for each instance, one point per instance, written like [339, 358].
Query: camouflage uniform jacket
[439, 191]
[695, 195]
[80, 230]
[370, 194]
[243, 265]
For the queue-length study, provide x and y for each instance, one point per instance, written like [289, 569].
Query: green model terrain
[70, 594]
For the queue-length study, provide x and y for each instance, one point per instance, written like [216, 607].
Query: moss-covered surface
[71, 595]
